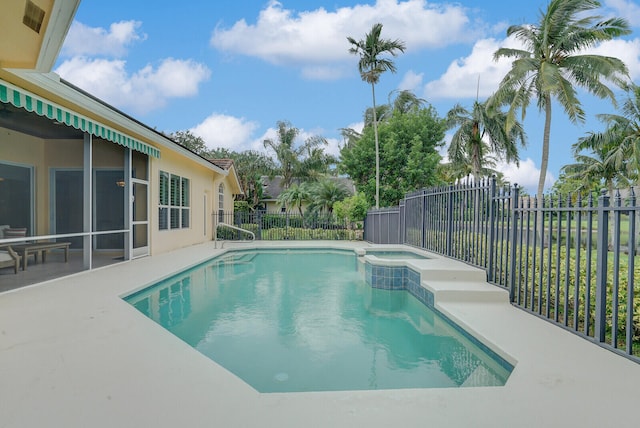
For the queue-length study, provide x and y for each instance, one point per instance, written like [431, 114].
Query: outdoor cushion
[15, 232]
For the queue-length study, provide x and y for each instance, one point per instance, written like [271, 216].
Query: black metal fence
[570, 260]
[285, 226]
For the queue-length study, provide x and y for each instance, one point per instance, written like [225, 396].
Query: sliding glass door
[16, 197]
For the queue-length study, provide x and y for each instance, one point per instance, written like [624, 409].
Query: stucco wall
[203, 201]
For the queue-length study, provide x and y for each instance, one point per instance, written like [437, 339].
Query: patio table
[41, 248]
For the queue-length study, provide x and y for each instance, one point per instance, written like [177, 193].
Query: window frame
[174, 202]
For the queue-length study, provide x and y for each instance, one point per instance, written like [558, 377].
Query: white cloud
[627, 9]
[244, 129]
[357, 126]
[526, 175]
[627, 50]
[320, 72]
[476, 74]
[145, 90]
[319, 37]
[223, 131]
[411, 81]
[85, 40]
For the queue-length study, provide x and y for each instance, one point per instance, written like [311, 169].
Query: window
[221, 203]
[174, 209]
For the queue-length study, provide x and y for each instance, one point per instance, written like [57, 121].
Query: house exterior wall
[202, 183]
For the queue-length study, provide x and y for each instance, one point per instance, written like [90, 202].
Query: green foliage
[295, 196]
[324, 194]
[481, 139]
[306, 161]
[241, 206]
[251, 166]
[408, 155]
[554, 288]
[570, 185]
[353, 208]
[192, 142]
[617, 148]
[551, 63]
[372, 50]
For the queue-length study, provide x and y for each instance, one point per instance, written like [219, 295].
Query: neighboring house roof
[229, 166]
[272, 187]
[222, 163]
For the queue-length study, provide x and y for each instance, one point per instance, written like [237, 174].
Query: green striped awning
[23, 99]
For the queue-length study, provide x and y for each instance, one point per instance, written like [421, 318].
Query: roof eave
[58, 26]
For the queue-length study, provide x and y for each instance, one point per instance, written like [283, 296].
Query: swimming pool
[306, 320]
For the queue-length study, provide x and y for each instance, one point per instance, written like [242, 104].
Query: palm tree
[325, 193]
[405, 101]
[592, 169]
[622, 135]
[295, 196]
[371, 66]
[618, 147]
[552, 61]
[305, 161]
[482, 138]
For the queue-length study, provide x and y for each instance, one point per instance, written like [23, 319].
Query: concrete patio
[74, 354]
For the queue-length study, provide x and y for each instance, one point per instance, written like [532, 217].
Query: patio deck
[74, 354]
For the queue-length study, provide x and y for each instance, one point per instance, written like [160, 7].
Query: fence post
[423, 214]
[449, 222]
[602, 248]
[492, 227]
[401, 208]
[259, 221]
[515, 195]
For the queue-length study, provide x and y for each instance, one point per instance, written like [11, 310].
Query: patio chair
[9, 258]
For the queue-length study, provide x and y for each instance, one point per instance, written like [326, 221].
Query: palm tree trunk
[544, 164]
[375, 133]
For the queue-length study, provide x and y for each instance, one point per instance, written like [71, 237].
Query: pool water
[289, 321]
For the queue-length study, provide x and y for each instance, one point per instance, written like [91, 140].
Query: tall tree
[552, 61]
[371, 65]
[409, 157]
[622, 135]
[592, 169]
[482, 137]
[305, 161]
[251, 166]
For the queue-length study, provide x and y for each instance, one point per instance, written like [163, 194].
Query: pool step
[232, 259]
[465, 291]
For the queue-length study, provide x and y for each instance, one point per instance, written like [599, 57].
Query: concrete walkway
[74, 354]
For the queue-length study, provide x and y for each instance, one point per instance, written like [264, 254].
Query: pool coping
[75, 351]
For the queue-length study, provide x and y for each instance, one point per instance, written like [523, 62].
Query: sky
[229, 70]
